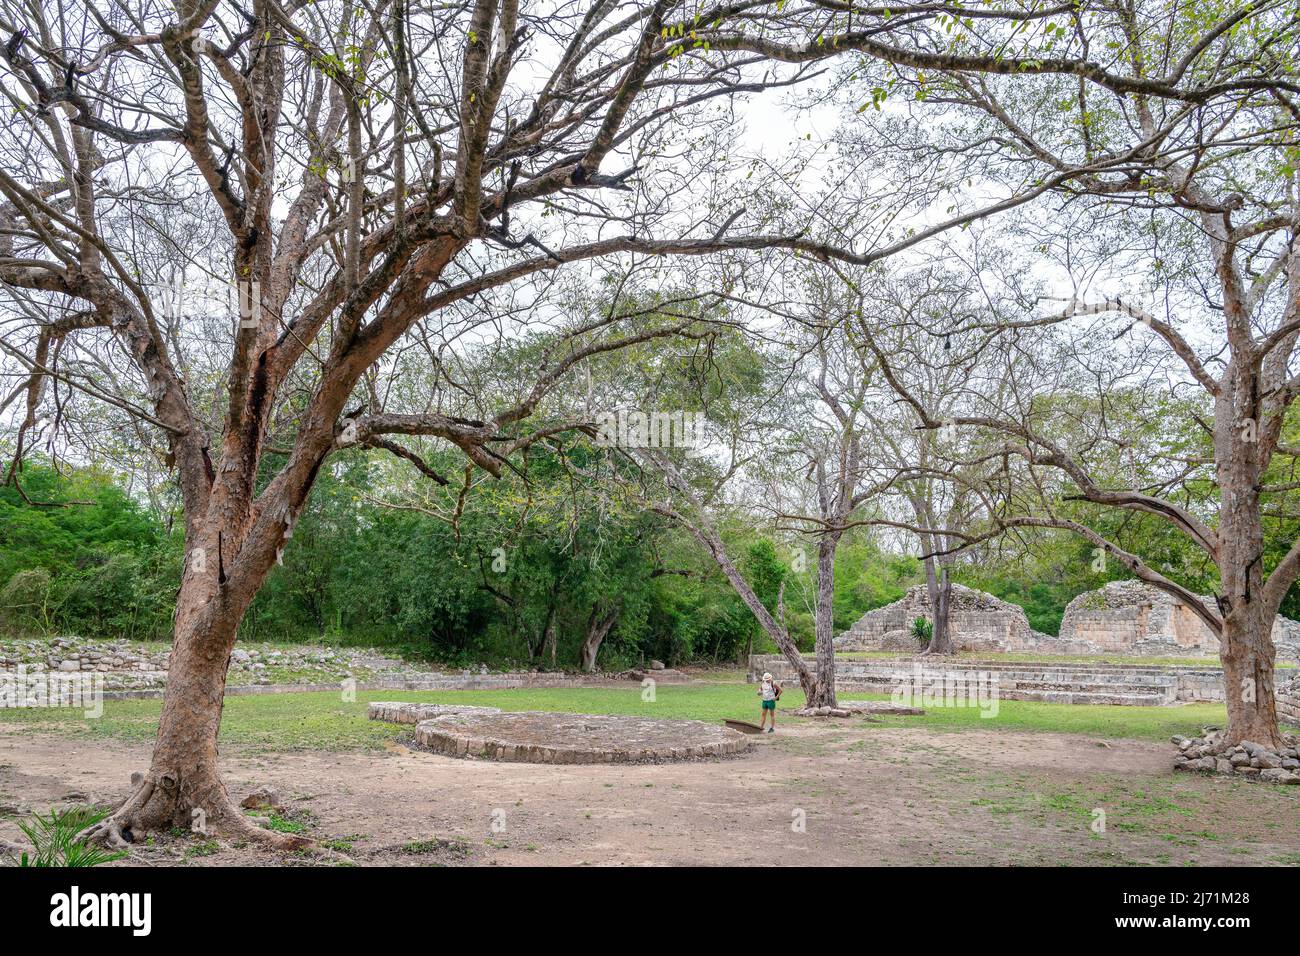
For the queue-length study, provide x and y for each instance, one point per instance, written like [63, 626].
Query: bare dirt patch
[863, 794]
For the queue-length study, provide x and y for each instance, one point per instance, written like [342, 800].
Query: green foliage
[923, 629]
[79, 555]
[525, 560]
[536, 554]
[54, 839]
[204, 848]
[867, 578]
[765, 573]
[282, 825]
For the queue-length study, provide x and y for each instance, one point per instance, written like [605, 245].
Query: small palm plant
[55, 843]
[923, 630]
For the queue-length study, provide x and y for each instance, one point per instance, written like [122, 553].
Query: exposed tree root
[158, 804]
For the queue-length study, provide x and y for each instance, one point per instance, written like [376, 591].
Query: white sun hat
[766, 676]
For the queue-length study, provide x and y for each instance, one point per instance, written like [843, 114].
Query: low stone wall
[134, 665]
[135, 669]
[1199, 685]
[504, 681]
[540, 737]
[1288, 701]
[1173, 683]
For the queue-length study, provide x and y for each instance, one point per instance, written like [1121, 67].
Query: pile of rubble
[1210, 753]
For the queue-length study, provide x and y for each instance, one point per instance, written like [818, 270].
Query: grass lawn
[323, 721]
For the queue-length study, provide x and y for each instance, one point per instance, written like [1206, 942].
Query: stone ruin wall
[1130, 617]
[1124, 617]
[979, 622]
[1288, 700]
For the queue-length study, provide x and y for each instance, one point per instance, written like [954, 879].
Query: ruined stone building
[1130, 617]
[978, 622]
[1127, 618]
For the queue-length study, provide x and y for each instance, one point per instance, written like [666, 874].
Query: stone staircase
[1063, 683]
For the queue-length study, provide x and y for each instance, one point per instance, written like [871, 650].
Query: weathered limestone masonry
[1152, 684]
[132, 669]
[1288, 700]
[539, 737]
[1130, 617]
[1124, 617]
[406, 712]
[978, 622]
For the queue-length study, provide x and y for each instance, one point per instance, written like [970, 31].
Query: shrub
[55, 843]
[923, 630]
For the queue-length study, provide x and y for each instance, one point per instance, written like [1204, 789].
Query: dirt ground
[832, 793]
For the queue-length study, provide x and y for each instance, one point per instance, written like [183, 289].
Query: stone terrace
[1288, 700]
[541, 737]
[139, 669]
[1049, 682]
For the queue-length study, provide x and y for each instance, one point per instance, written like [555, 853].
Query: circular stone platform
[405, 712]
[541, 737]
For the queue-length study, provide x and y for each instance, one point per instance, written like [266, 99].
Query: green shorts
[769, 705]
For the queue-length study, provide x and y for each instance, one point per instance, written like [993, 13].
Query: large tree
[375, 183]
[1183, 233]
[375, 174]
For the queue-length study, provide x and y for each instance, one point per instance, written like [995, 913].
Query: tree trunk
[823, 692]
[1248, 679]
[183, 787]
[1246, 640]
[598, 629]
[940, 606]
[931, 589]
[536, 649]
[550, 638]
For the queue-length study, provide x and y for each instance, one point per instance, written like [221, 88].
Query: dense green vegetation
[79, 555]
[528, 560]
[520, 557]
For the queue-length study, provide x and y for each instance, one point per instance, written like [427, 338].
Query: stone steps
[1045, 691]
[1004, 665]
[1054, 683]
[1125, 699]
[1031, 679]
[1088, 686]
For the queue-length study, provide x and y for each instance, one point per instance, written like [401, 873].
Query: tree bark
[1246, 638]
[940, 594]
[183, 787]
[823, 694]
[544, 638]
[1248, 680]
[598, 629]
